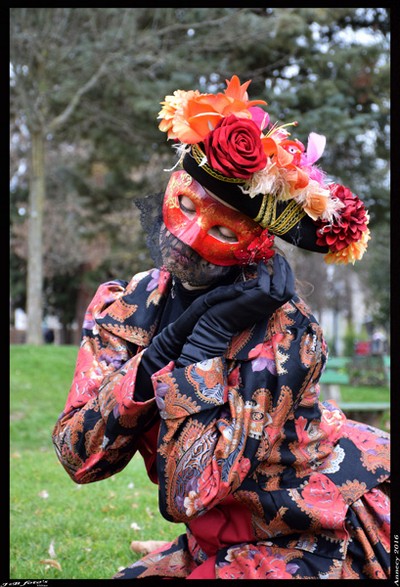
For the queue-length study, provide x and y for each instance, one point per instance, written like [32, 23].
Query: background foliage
[89, 82]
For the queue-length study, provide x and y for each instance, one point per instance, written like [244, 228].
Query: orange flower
[190, 116]
[173, 106]
[352, 253]
[195, 120]
[315, 205]
[297, 178]
[272, 149]
[236, 95]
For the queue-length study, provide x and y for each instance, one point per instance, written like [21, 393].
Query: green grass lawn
[84, 531]
[364, 394]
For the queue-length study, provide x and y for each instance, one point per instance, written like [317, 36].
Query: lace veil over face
[169, 252]
[151, 220]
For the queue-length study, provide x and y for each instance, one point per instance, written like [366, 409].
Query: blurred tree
[68, 72]
[86, 86]
[49, 78]
[375, 277]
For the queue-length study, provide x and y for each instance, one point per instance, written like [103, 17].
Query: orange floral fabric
[270, 482]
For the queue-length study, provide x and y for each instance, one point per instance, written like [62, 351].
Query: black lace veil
[151, 219]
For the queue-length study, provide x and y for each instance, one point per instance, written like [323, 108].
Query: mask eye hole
[187, 206]
[224, 234]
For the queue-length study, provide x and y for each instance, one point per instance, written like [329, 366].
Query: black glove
[246, 303]
[167, 345]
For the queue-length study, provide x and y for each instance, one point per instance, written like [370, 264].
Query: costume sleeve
[220, 420]
[102, 426]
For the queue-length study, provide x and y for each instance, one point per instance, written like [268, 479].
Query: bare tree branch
[62, 118]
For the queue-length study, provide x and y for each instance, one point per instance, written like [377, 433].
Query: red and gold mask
[199, 229]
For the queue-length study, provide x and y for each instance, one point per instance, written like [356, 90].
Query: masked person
[208, 364]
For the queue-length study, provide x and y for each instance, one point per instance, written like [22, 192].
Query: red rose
[351, 223]
[234, 148]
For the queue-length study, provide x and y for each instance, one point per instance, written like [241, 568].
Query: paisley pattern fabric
[270, 482]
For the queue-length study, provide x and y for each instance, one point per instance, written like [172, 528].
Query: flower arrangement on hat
[234, 138]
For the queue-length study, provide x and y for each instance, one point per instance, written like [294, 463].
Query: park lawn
[61, 530]
[364, 394]
[58, 529]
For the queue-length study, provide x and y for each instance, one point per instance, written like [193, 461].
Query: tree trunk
[84, 297]
[35, 237]
[349, 298]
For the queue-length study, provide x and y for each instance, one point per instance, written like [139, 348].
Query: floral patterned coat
[270, 482]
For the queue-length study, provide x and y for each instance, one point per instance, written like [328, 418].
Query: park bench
[333, 377]
[339, 372]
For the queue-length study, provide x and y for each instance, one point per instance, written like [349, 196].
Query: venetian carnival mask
[219, 234]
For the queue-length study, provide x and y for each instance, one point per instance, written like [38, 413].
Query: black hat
[284, 219]
[227, 143]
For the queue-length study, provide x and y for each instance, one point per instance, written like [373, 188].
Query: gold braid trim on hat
[266, 216]
[199, 157]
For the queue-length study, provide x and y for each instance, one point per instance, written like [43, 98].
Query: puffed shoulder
[133, 311]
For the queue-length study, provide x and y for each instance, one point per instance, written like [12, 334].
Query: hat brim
[303, 234]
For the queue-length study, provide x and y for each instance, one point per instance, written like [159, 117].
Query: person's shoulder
[295, 313]
[150, 279]
[110, 291]
[106, 293]
[122, 286]
[137, 278]
[302, 307]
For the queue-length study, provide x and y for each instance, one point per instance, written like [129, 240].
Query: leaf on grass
[146, 546]
[50, 562]
[135, 526]
[149, 512]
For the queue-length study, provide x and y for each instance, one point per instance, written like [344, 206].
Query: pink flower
[259, 116]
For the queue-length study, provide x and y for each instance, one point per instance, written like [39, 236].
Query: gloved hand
[246, 303]
[167, 345]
